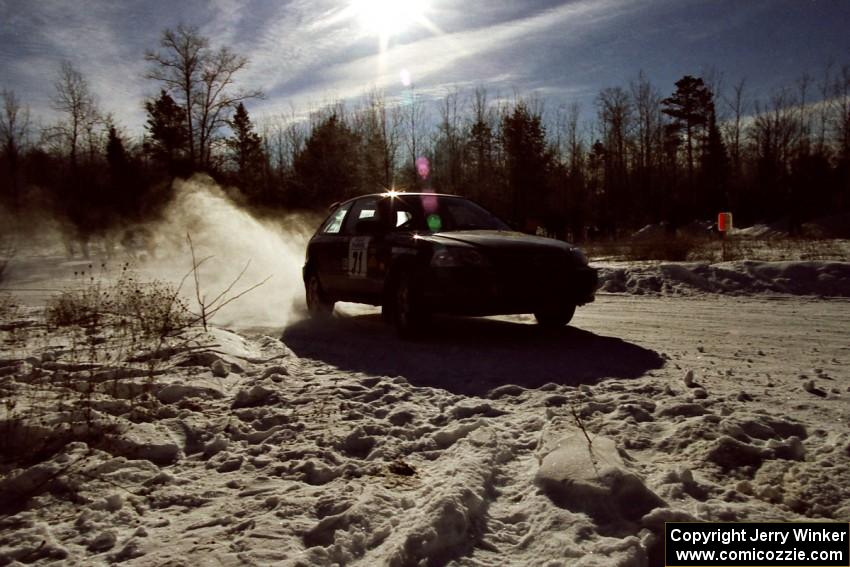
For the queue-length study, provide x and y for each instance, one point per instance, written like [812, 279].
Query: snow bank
[831, 226]
[823, 279]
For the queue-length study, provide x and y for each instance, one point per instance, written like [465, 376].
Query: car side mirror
[368, 227]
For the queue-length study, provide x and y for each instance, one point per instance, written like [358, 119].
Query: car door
[361, 265]
[328, 249]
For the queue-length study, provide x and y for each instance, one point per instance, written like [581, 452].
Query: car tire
[319, 305]
[407, 310]
[555, 317]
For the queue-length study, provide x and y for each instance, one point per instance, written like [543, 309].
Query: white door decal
[358, 251]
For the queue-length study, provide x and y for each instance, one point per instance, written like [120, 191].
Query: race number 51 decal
[358, 252]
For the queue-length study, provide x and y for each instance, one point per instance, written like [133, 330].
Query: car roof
[386, 194]
[406, 193]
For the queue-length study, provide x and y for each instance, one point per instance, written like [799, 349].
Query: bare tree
[272, 132]
[379, 128]
[775, 130]
[568, 197]
[286, 138]
[294, 137]
[75, 100]
[388, 123]
[449, 141]
[713, 79]
[575, 148]
[825, 89]
[804, 83]
[647, 103]
[734, 130]
[481, 142]
[14, 136]
[616, 117]
[413, 115]
[841, 112]
[201, 80]
[180, 68]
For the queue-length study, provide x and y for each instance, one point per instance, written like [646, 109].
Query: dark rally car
[420, 253]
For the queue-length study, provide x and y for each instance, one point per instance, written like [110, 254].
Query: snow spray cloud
[232, 238]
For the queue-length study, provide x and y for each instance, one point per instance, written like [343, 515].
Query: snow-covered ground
[487, 443]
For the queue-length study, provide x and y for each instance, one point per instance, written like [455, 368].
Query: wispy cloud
[308, 51]
[47, 33]
[501, 55]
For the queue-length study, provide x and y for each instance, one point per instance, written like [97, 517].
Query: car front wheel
[318, 303]
[555, 317]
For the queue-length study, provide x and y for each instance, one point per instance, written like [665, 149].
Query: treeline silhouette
[643, 154]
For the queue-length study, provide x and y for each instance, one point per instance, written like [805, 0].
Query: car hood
[495, 239]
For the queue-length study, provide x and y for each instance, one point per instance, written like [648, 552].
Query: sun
[387, 18]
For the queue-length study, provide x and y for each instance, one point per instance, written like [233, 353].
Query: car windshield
[439, 213]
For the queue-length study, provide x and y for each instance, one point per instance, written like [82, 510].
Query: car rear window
[334, 223]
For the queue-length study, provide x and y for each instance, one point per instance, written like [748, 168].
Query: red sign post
[724, 226]
[724, 222]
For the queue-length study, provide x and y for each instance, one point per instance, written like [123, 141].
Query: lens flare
[386, 19]
[429, 204]
[389, 17]
[423, 167]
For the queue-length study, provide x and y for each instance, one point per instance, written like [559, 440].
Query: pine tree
[528, 162]
[715, 169]
[480, 151]
[166, 126]
[327, 168]
[246, 152]
[120, 196]
[690, 107]
[116, 155]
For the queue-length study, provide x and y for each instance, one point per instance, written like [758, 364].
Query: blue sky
[306, 52]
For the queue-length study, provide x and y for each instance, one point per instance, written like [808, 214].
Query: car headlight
[455, 257]
[580, 256]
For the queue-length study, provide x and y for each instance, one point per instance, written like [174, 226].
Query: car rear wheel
[407, 312]
[319, 305]
[555, 317]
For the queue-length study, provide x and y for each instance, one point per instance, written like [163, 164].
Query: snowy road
[734, 341]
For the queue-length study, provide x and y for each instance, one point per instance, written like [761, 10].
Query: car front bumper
[487, 291]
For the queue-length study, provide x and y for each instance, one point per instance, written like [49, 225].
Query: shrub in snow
[220, 369]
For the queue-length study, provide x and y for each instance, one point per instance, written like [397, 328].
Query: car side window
[363, 209]
[402, 219]
[403, 216]
[334, 223]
